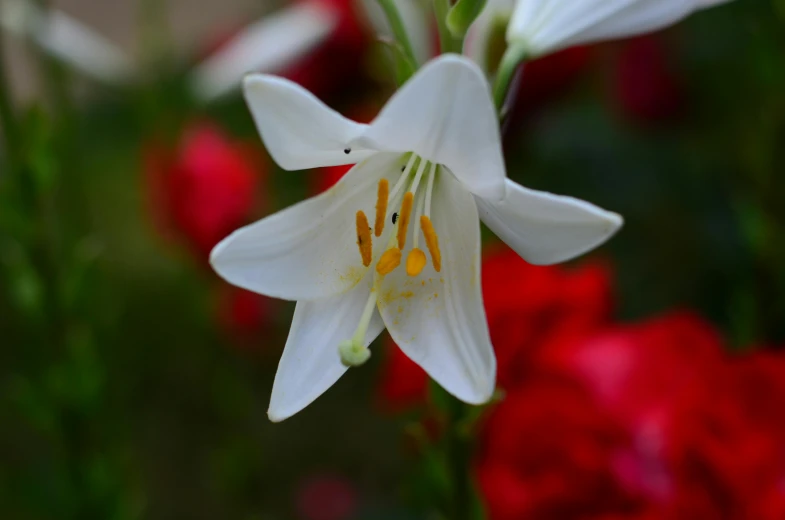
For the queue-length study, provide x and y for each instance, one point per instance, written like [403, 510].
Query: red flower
[546, 79]
[701, 443]
[325, 178]
[644, 84]
[205, 189]
[338, 61]
[326, 497]
[528, 308]
[547, 452]
[242, 315]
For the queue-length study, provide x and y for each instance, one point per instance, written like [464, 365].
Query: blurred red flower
[338, 61]
[644, 84]
[706, 437]
[204, 189]
[242, 315]
[528, 308]
[548, 451]
[326, 497]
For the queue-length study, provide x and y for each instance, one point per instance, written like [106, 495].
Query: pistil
[353, 351]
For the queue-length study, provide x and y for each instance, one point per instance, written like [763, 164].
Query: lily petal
[298, 130]
[307, 251]
[445, 113]
[494, 17]
[545, 26]
[547, 229]
[438, 319]
[310, 363]
[267, 45]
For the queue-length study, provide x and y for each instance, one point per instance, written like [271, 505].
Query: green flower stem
[447, 42]
[513, 57]
[398, 29]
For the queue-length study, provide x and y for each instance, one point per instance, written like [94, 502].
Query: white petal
[547, 229]
[546, 26]
[495, 16]
[307, 251]
[310, 363]
[445, 113]
[268, 45]
[299, 130]
[68, 40]
[438, 319]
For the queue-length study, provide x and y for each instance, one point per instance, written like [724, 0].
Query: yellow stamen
[381, 206]
[432, 241]
[364, 238]
[403, 218]
[415, 262]
[389, 261]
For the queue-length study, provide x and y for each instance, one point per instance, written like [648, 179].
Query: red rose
[528, 308]
[547, 452]
[205, 189]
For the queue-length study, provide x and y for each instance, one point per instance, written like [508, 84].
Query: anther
[432, 241]
[406, 212]
[389, 261]
[415, 262]
[364, 238]
[395, 217]
[381, 206]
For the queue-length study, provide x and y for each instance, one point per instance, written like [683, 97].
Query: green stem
[513, 57]
[398, 29]
[447, 42]
[459, 457]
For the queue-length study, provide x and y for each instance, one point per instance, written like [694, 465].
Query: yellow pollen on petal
[415, 262]
[364, 238]
[381, 206]
[389, 261]
[403, 218]
[432, 241]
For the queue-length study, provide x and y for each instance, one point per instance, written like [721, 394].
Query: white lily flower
[281, 38]
[545, 26]
[69, 40]
[269, 44]
[428, 168]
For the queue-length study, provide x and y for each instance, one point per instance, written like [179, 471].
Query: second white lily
[354, 258]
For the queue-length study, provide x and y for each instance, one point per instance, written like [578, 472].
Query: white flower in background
[354, 258]
[281, 38]
[67, 39]
[545, 26]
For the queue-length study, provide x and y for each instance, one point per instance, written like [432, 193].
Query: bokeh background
[642, 381]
